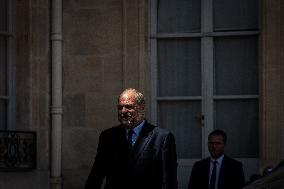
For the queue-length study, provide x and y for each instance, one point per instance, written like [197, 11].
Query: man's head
[216, 143]
[131, 108]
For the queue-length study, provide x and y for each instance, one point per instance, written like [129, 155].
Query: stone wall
[105, 49]
[104, 45]
[272, 82]
[32, 89]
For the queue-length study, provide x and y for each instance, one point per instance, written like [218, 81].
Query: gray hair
[140, 99]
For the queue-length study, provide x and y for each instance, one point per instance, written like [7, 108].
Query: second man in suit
[217, 171]
[134, 154]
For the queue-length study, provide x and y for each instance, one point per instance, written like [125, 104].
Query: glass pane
[183, 120]
[3, 15]
[3, 115]
[179, 16]
[179, 68]
[3, 65]
[236, 65]
[235, 15]
[239, 119]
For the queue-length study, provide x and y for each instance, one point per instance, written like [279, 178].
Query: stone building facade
[105, 49]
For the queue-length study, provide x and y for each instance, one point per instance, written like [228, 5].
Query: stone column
[272, 82]
[56, 108]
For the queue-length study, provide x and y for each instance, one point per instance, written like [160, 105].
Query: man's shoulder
[227, 160]
[148, 126]
[203, 161]
[157, 131]
[202, 164]
[161, 131]
[113, 130]
[231, 161]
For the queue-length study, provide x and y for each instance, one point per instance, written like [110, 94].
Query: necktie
[129, 137]
[213, 176]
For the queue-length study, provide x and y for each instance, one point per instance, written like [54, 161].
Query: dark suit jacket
[231, 174]
[151, 164]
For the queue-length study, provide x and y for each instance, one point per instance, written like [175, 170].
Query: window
[7, 95]
[204, 74]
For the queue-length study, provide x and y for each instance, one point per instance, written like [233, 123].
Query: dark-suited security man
[218, 171]
[134, 154]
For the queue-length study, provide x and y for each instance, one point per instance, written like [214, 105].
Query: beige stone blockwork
[23, 65]
[40, 75]
[74, 178]
[105, 50]
[282, 79]
[40, 3]
[92, 31]
[40, 31]
[101, 110]
[82, 74]
[112, 73]
[24, 180]
[131, 44]
[40, 111]
[71, 5]
[74, 111]
[79, 148]
[32, 89]
[272, 111]
[43, 149]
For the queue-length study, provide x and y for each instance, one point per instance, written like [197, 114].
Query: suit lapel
[121, 141]
[142, 140]
[222, 174]
[207, 171]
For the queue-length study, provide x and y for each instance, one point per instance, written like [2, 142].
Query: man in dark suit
[134, 154]
[218, 171]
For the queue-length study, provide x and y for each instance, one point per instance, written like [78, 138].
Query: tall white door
[204, 75]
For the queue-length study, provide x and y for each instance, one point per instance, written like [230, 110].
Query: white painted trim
[175, 35]
[207, 49]
[204, 34]
[207, 92]
[235, 97]
[9, 37]
[56, 98]
[178, 98]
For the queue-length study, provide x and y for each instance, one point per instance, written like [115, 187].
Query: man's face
[216, 146]
[130, 114]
